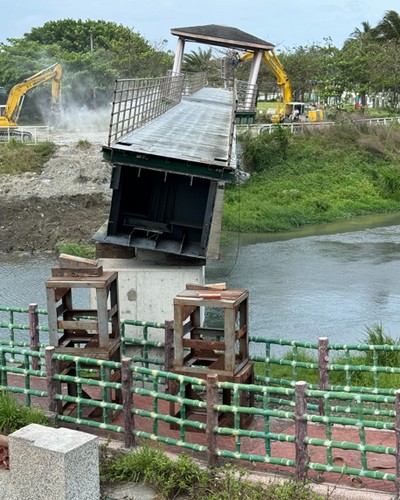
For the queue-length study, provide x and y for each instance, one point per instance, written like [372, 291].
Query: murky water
[333, 280]
[334, 284]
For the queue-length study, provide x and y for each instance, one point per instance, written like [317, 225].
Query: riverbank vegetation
[374, 335]
[17, 157]
[318, 175]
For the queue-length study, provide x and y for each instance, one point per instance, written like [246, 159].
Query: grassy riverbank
[17, 157]
[316, 176]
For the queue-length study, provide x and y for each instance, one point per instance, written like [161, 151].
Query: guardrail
[268, 128]
[299, 425]
[138, 101]
[29, 134]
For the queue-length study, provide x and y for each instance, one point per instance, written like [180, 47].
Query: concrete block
[48, 463]
[147, 289]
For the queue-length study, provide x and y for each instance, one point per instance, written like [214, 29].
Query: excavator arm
[282, 80]
[15, 99]
[274, 65]
[289, 107]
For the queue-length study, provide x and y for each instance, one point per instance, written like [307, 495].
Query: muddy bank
[38, 224]
[68, 201]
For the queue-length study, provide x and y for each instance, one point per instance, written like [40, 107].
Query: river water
[333, 280]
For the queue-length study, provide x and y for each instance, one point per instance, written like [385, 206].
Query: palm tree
[389, 28]
[358, 33]
[197, 61]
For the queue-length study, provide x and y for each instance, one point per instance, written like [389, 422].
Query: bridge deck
[199, 130]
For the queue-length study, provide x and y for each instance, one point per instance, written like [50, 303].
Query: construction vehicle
[287, 109]
[9, 113]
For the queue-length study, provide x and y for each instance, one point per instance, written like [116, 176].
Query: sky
[286, 23]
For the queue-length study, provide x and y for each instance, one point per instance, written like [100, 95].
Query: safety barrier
[138, 101]
[305, 427]
[30, 134]
[268, 128]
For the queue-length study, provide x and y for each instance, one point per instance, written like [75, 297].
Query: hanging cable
[236, 257]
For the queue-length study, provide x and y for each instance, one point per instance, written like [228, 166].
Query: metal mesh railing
[192, 82]
[138, 101]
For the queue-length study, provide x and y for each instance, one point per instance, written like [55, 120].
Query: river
[333, 280]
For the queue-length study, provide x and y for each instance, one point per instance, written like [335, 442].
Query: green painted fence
[294, 424]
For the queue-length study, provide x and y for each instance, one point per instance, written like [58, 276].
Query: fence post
[168, 349]
[169, 345]
[212, 419]
[126, 379]
[323, 362]
[397, 433]
[34, 334]
[51, 370]
[301, 431]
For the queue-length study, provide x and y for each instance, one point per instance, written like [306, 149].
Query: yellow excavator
[287, 110]
[9, 113]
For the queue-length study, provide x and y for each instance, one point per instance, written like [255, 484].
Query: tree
[93, 55]
[388, 29]
[366, 31]
[203, 61]
[311, 70]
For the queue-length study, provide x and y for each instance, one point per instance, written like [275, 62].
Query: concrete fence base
[48, 463]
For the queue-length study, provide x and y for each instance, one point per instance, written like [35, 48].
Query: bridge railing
[138, 101]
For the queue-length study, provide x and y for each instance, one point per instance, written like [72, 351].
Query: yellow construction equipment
[287, 109]
[9, 113]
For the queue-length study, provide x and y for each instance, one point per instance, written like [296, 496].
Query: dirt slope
[69, 200]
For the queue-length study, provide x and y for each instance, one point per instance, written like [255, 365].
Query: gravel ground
[69, 200]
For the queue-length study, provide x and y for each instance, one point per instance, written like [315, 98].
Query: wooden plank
[208, 332]
[73, 262]
[64, 272]
[210, 295]
[61, 292]
[75, 313]
[201, 344]
[241, 332]
[212, 286]
[78, 325]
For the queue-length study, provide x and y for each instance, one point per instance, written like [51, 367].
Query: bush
[172, 478]
[264, 151]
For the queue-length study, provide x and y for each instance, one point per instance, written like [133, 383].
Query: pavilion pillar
[180, 46]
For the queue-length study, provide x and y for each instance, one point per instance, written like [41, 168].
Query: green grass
[76, 249]
[316, 177]
[14, 416]
[183, 476]
[17, 157]
[83, 144]
[374, 335]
